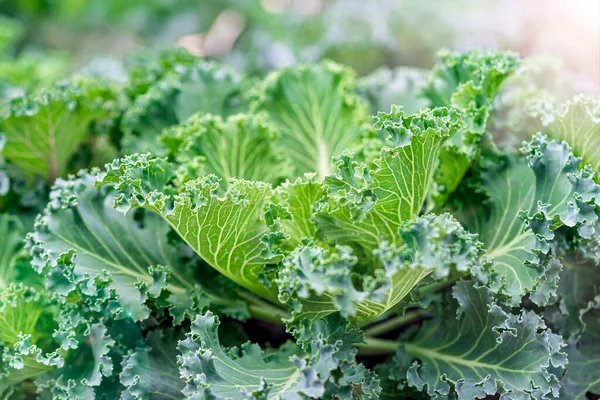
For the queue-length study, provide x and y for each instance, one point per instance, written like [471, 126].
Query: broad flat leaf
[43, 131]
[318, 282]
[367, 206]
[482, 351]
[201, 87]
[577, 122]
[241, 146]
[316, 111]
[214, 372]
[151, 370]
[401, 86]
[526, 202]
[583, 372]
[467, 82]
[136, 258]
[229, 232]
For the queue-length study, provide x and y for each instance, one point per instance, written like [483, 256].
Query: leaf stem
[396, 322]
[262, 309]
[437, 286]
[375, 347]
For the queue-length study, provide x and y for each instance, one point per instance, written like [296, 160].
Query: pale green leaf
[192, 87]
[367, 206]
[26, 327]
[316, 111]
[577, 122]
[299, 198]
[467, 82]
[229, 232]
[318, 282]
[241, 146]
[43, 131]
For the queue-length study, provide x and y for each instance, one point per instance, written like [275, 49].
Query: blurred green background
[43, 40]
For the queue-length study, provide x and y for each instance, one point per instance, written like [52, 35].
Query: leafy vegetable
[316, 110]
[526, 202]
[242, 146]
[577, 122]
[80, 221]
[263, 238]
[469, 83]
[182, 88]
[211, 371]
[43, 131]
[386, 87]
[582, 375]
[483, 350]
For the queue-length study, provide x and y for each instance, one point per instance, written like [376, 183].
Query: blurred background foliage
[41, 40]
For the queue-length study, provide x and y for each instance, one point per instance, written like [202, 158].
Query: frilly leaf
[318, 282]
[151, 369]
[195, 86]
[467, 82]
[578, 291]
[81, 378]
[367, 206]
[147, 69]
[241, 146]
[517, 222]
[577, 122]
[583, 373]
[26, 326]
[296, 203]
[482, 352]
[228, 232]
[214, 372]
[80, 225]
[316, 111]
[43, 131]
